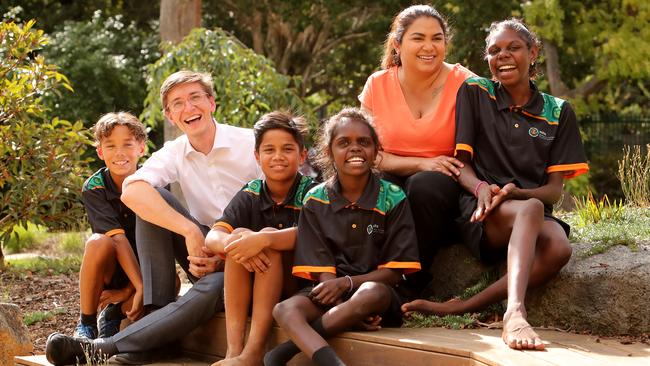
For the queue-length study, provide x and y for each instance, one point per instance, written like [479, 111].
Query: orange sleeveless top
[400, 133]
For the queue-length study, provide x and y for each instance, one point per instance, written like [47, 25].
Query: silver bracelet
[351, 283]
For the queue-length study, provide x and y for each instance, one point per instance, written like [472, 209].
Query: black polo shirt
[106, 212]
[514, 144]
[254, 209]
[355, 238]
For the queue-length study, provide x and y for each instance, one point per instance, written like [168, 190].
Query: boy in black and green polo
[256, 229]
[110, 277]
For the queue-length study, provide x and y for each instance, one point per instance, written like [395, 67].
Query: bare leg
[266, 293]
[237, 292]
[294, 316]
[97, 268]
[370, 299]
[552, 252]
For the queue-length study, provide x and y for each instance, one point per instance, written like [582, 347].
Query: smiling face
[280, 156]
[509, 57]
[423, 46]
[352, 148]
[120, 151]
[190, 108]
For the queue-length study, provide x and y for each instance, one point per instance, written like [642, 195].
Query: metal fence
[607, 134]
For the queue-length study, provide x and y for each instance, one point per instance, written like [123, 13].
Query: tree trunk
[177, 19]
[2, 259]
[558, 87]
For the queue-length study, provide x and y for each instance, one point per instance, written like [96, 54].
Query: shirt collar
[111, 188]
[367, 201]
[534, 105]
[221, 140]
[266, 200]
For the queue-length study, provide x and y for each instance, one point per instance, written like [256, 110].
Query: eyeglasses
[178, 104]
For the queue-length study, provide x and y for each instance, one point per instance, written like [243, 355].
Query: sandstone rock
[454, 269]
[14, 338]
[607, 293]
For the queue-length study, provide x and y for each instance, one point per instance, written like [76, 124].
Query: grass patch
[467, 320]
[44, 265]
[72, 243]
[464, 321]
[39, 316]
[632, 228]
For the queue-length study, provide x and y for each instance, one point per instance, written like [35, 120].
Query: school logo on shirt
[534, 132]
[374, 228]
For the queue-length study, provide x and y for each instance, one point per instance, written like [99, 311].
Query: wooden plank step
[427, 346]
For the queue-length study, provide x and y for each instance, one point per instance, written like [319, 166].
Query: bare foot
[453, 306]
[241, 360]
[518, 334]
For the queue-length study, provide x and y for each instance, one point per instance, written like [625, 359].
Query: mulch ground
[55, 294]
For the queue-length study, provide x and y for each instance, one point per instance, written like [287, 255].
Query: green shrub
[105, 60]
[41, 168]
[22, 239]
[39, 316]
[634, 175]
[45, 265]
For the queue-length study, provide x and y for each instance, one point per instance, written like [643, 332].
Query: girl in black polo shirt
[518, 145]
[355, 240]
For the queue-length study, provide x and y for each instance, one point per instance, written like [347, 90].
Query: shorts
[119, 279]
[471, 233]
[392, 317]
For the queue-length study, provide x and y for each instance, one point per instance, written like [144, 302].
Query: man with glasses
[211, 162]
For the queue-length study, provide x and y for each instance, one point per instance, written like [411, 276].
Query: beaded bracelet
[351, 284]
[478, 186]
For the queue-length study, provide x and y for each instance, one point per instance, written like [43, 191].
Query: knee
[560, 251]
[99, 244]
[532, 207]
[280, 311]
[370, 298]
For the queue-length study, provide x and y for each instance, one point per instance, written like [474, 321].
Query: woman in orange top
[413, 102]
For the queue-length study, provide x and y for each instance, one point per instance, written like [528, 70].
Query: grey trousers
[157, 249]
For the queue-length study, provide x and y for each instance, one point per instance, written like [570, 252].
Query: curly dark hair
[328, 132]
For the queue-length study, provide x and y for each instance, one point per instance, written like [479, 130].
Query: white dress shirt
[209, 181]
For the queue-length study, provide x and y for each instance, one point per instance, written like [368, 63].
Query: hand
[136, 306]
[328, 293]
[113, 297]
[259, 263]
[206, 264]
[195, 242]
[247, 245]
[444, 164]
[370, 323]
[507, 192]
[484, 201]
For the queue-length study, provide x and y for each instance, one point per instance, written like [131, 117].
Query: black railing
[608, 133]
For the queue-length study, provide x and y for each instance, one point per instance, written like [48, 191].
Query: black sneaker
[109, 320]
[61, 349]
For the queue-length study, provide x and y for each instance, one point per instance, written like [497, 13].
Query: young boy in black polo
[110, 278]
[256, 232]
